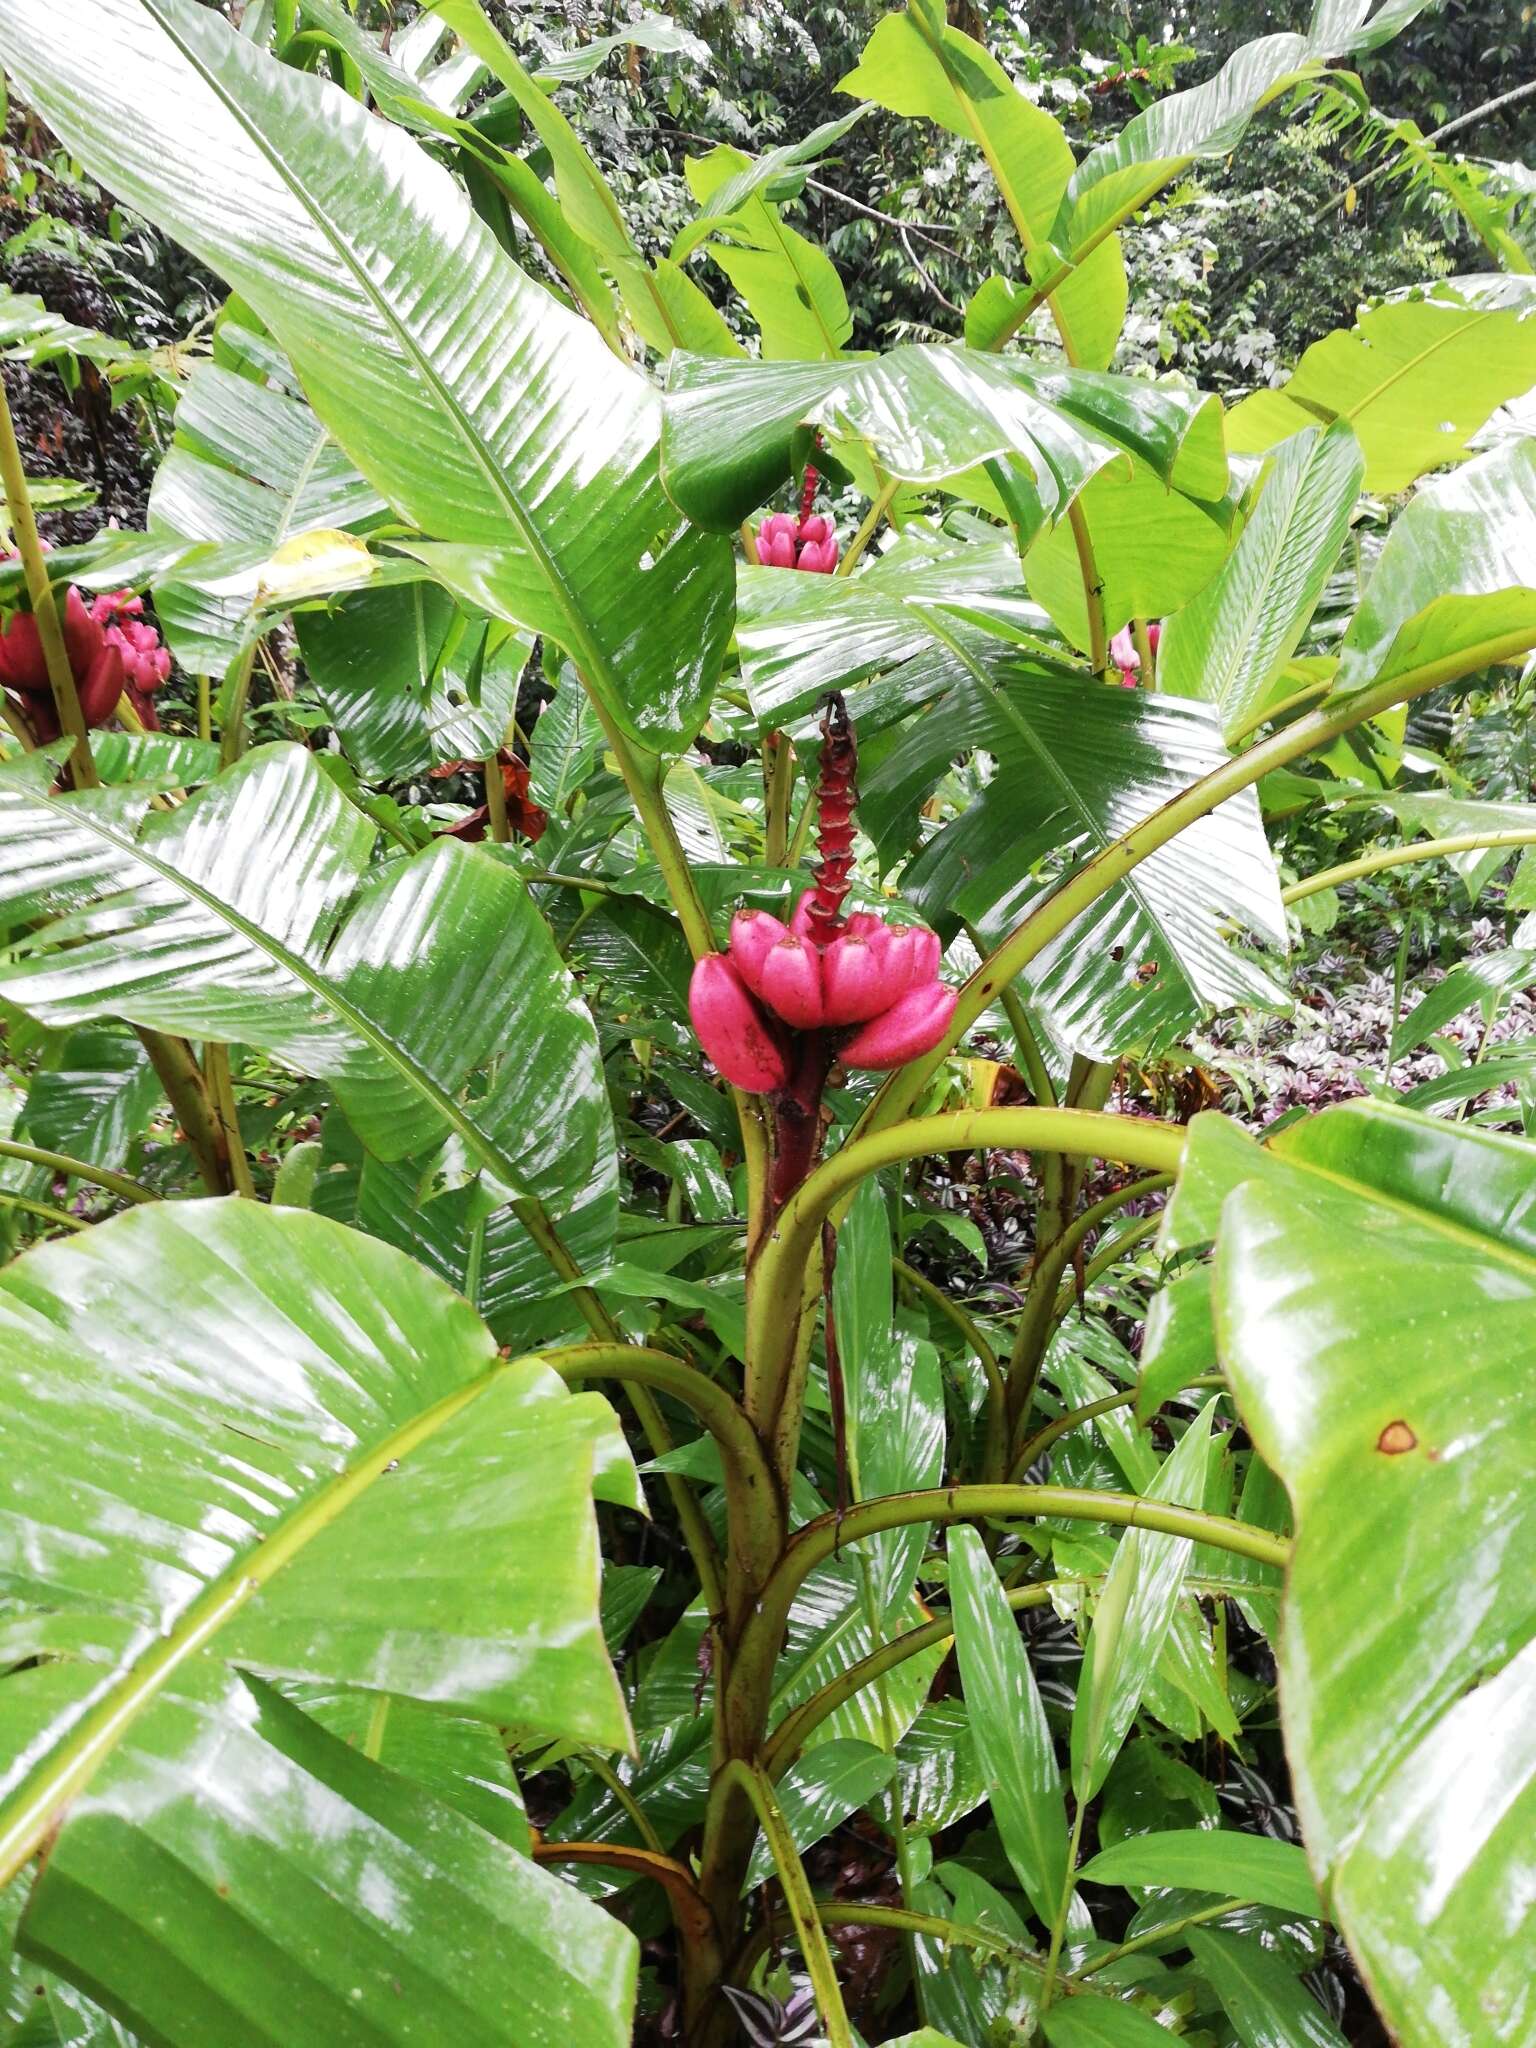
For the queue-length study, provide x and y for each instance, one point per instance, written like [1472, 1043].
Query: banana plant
[349, 1695]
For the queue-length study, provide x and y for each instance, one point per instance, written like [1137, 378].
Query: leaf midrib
[32, 1810]
[591, 654]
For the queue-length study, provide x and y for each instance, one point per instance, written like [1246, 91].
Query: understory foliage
[766, 1106]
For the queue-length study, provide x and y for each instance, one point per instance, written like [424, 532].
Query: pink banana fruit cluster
[784, 542]
[112, 651]
[871, 988]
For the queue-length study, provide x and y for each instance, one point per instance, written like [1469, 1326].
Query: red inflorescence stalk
[808, 493]
[836, 795]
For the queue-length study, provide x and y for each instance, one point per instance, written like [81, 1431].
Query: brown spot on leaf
[1396, 1438]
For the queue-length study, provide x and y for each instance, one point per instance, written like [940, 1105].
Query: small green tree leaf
[1212, 1860]
[1133, 1615]
[1008, 1726]
[1260, 1995]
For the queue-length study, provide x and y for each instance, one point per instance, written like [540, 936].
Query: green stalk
[880, 504]
[1401, 856]
[1110, 866]
[643, 777]
[1074, 1418]
[1059, 1924]
[77, 1169]
[496, 800]
[781, 783]
[690, 1516]
[18, 505]
[816, 1541]
[751, 1495]
[46, 1210]
[1039, 1315]
[797, 1896]
[226, 1119]
[182, 1079]
[996, 1447]
[1155, 1935]
[774, 1373]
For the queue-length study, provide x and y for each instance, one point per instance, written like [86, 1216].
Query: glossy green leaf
[1391, 1394]
[1260, 1996]
[1008, 1726]
[245, 1435]
[166, 921]
[1093, 2022]
[300, 1893]
[95, 1099]
[940, 1777]
[1455, 587]
[251, 468]
[409, 681]
[1231, 643]
[1076, 764]
[915, 63]
[871, 636]
[818, 1794]
[366, 261]
[734, 430]
[1414, 378]
[462, 1761]
[1132, 1617]
[1152, 551]
[1212, 1860]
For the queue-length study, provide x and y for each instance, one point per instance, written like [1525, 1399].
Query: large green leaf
[1414, 378]
[1076, 764]
[396, 986]
[790, 286]
[800, 636]
[1455, 584]
[1008, 1726]
[248, 1439]
[1376, 1310]
[1231, 643]
[251, 468]
[915, 63]
[927, 414]
[485, 413]
[1209, 119]
[668, 309]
